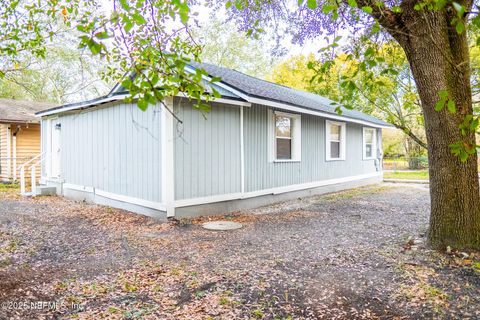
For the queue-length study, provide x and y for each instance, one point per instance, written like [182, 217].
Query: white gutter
[80, 106]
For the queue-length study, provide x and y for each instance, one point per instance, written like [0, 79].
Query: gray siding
[207, 151]
[262, 174]
[115, 149]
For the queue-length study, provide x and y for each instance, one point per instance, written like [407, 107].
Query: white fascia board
[123, 96]
[80, 106]
[288, 107]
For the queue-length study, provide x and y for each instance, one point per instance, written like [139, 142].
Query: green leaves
[327, 8]
[445, 101]
[312, 4]
[463, 150]
[367, 9]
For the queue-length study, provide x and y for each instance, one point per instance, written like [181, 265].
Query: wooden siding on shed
[207, 150]
[261, 174]
[115, 149]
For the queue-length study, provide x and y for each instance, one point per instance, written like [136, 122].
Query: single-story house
[260, 143]
[19, 135]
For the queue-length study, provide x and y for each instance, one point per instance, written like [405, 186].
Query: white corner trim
[279, 190]
[242, 154]
[374, 144]
[343, 140]
[169, 164]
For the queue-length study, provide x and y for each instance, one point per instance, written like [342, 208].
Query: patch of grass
[9, 186]
[257, 313]
[11, 247]
[408, 175]
[353, 193]
[5, 262]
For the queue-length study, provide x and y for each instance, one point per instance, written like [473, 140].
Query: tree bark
[439, 60]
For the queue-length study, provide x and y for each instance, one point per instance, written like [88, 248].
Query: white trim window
[335, 134]
[369, 143]
[285, 129]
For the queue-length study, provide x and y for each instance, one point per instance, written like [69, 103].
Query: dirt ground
[358, 254]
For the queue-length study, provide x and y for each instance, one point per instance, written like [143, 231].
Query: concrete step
[46, 191]
[42, 190]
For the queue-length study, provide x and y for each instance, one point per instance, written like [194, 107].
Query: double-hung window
[285, 135]
[369, 143]
[335, 140]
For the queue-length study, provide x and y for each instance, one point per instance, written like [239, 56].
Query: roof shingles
[271, 91]
[21, 111]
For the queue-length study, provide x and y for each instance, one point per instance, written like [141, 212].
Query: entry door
[55, 128]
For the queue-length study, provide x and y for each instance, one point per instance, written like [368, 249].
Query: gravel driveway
[357, 254]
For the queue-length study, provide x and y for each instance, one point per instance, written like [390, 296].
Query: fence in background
[403, 163]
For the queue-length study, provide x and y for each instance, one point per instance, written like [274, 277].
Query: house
[19, 135]
[260, 143]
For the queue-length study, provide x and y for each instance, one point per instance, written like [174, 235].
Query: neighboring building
[19, 135]
[260, 143]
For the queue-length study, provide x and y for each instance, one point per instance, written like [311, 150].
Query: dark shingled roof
[250, 87]
[21, 111]
[270, 91]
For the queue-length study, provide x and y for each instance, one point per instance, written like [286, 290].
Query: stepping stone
[222, 225]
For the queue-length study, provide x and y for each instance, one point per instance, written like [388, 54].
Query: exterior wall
[116, 149]
[262, 174]
[113, 155]
[207, 151]
[27, 147]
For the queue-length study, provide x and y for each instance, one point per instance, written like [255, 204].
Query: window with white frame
[335, 140]
[285, 136]
[369, 143]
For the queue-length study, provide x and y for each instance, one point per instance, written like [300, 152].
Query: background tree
[64, 75]
[223, 45]
[392, 98]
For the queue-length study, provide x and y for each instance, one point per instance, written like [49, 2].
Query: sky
[203, 17]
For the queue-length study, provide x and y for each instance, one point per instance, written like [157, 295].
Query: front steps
[42, 190]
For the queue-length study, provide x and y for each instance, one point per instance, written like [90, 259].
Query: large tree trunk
[439, 59]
